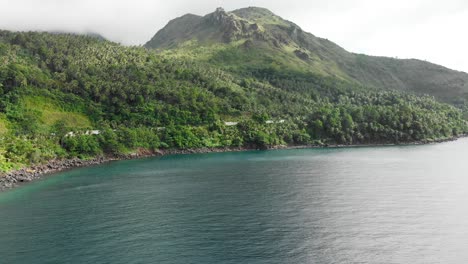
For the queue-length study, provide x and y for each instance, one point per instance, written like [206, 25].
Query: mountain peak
[251, 23]
[220, 16]
[252, 13]
[230, 26]
[220, 10]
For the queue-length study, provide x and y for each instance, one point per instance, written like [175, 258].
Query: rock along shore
[15, 178]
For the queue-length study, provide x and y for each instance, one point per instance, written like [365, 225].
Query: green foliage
[17, 151]
[138, 138]
[74, 96]
[82, 145]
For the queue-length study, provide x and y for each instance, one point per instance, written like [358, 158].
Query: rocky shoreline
[15, 178]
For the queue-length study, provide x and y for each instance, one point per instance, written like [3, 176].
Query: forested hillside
[64, 96]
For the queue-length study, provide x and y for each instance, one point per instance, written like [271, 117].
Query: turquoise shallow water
[358, 205]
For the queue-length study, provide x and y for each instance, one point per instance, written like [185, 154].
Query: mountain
[254, 40]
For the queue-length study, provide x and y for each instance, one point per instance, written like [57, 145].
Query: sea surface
[405, 204]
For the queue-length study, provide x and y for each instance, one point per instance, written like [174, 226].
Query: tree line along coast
[138, 99]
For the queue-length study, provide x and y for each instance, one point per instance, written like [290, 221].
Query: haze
[427, 30]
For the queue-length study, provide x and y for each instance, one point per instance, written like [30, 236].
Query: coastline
[16, 178]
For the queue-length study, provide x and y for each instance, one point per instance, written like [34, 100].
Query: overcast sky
[430, 30]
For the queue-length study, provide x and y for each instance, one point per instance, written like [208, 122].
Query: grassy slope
[3, 125]
[50, 113]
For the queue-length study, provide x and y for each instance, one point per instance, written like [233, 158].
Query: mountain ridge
[269, 38]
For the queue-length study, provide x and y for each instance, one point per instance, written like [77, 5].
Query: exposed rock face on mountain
[218, 26]
[264, 38]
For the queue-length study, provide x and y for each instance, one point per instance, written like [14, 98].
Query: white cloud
[430, 30]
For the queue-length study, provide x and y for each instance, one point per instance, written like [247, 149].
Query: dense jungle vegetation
[56, 89]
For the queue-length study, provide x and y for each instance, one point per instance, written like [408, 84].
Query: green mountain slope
[65, 95]
[254, 39]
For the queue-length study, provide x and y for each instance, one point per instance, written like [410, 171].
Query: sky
[431, 30]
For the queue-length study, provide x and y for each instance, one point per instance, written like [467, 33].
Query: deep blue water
[359, 205]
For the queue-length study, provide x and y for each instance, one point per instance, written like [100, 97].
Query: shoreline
[16, 178]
